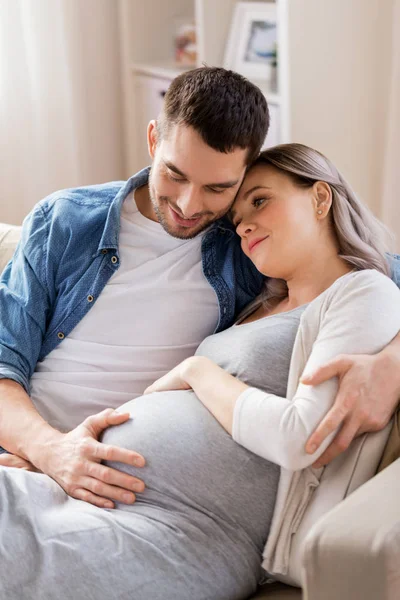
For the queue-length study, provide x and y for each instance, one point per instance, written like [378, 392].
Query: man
[113, 285]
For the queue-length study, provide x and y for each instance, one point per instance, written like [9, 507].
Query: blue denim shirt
[67, 254]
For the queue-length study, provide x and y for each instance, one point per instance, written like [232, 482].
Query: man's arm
[71, 459]
[27, 292]
[369, 392]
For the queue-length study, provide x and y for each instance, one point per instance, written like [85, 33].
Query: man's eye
[219, 191]
[175, 178]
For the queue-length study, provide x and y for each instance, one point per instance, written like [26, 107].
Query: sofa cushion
[9, 238]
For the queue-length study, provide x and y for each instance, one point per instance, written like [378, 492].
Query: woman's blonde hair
[361, 237]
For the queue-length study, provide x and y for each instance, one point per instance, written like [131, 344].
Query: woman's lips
[183, 222]
[255, 243]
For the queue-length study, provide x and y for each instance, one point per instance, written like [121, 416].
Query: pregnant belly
[192, 462]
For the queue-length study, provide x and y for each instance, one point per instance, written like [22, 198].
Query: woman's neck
[309, 282]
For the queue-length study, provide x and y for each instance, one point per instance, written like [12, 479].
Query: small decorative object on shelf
[185, 42]
[251, 47]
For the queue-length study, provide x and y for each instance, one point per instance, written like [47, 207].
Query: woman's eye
[258, 201]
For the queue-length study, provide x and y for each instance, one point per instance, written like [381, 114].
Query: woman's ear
[322, 198]
[152, 138]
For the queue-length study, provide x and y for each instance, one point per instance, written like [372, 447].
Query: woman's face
[277, 221]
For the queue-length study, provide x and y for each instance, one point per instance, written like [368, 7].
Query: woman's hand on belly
[173, 380]
[214, 387]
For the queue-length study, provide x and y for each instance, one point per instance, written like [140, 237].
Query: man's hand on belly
[73, 460]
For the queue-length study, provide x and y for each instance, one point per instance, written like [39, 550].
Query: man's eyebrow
[222, 184]
[173, 168]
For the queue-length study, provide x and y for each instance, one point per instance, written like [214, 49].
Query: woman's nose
[244, 228]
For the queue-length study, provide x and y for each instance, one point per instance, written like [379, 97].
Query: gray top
[259, 352]
[198, 529]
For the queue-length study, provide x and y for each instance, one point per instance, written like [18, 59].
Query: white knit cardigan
[359, 313]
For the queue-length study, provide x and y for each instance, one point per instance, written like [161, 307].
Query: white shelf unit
[334, 61]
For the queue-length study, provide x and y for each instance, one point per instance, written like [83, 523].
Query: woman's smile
[256, 242]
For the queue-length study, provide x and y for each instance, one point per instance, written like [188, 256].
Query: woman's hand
[174, 379]
[214, 387]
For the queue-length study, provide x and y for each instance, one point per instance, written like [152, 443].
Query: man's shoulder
[79, 213]
[82, 198]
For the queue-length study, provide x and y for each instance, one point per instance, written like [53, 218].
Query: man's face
[191, 185]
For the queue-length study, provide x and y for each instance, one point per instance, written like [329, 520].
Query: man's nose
[190, 203]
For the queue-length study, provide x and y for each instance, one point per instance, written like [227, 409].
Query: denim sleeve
[24, 302]
[395, 265]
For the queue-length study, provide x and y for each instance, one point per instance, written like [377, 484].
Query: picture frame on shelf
[252, 42]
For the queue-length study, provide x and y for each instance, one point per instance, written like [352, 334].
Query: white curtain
[60, 99]
[391, 176]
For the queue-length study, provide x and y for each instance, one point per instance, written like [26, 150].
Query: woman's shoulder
[360, 309]
[356, 295]
[366, 283]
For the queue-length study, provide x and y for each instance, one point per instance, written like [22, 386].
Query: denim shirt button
[90, 298]
[104, 251]
[114, 260]
[60, 335]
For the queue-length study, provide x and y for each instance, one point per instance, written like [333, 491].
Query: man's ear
[322, 198]
[152, 138]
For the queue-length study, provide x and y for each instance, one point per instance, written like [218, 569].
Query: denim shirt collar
[110, 238]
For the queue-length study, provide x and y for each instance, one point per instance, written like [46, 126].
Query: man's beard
[181, 232]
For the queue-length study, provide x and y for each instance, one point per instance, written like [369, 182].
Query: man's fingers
[332, 420]
[107, 492]
[86, 496]
[6, 460]
[114, 477]
[97, 423]
[11, 460]
[341, 442]
[102, 451]
[334, 368]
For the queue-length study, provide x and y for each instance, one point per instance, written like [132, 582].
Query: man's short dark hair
[226, 109]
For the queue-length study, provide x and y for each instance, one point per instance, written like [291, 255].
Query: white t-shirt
[152, 314]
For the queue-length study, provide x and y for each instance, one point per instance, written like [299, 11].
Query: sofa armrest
[9, 238]
[353, 552]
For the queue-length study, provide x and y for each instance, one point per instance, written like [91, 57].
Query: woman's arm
[217, 389]
[364, 318]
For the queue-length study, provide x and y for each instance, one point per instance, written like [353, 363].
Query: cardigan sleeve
[362, 318]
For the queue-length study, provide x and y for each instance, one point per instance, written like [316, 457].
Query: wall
[343, 114]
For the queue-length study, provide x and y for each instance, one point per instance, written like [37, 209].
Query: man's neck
[143, 202]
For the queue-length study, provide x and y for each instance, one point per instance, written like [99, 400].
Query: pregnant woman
[226, 428]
